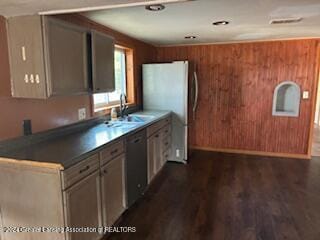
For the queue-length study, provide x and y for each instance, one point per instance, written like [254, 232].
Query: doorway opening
[315, 150]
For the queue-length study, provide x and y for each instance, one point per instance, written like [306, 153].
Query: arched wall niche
[286, 99]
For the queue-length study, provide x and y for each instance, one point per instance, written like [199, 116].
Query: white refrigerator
[165, 87]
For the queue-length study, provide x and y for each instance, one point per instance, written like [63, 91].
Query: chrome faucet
[123, 104]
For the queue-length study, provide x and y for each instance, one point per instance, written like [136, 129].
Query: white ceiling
[249, 21]
[26, 7]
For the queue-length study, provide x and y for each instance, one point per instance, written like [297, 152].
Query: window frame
[129, 75]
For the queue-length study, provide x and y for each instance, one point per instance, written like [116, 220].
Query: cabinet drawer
[167, 120]
[157, 126]
[166, 130]
[165, 157]
[111, 151]
[80, 171]
[166, 143]
[153, 129]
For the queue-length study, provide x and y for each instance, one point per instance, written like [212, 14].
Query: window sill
[107, 109]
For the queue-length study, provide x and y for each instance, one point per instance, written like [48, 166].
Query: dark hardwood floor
[316, 141]
[229, 197]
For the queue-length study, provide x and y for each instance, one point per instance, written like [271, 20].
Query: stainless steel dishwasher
[136, 165]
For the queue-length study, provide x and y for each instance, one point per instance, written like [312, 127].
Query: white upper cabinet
[102, 62]
[50, 57]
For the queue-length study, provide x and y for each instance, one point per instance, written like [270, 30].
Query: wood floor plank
[229, 197]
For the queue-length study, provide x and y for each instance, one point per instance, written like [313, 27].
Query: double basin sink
[130, 121]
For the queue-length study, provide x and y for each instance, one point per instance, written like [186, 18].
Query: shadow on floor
[316, 141]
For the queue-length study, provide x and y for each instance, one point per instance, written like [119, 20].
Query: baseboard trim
[248, 152]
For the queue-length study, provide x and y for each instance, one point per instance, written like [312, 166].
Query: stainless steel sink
[135, 118]
[122, 124]
[129, 122]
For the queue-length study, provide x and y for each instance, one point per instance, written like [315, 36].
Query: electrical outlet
[177, 153]
[27, 128]
[81, 113]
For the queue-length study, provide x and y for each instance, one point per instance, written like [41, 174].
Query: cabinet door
[102, 63]
[66, 54]
[151, 158]
[158, 153]
[113, 190]
[83, 207]
[154, 156]
[27, 68]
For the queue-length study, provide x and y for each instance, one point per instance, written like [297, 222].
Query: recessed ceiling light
[155, 7]
[285, 20]
[220, 23]
[190, 37]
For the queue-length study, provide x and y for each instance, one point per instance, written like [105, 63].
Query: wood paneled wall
[236, 91]
[235, 100]
[56, 111]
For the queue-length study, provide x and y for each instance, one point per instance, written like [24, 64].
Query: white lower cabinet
[154, 155]
[113, 190]
[90, 194]
[159, 144]
[165, 144]
[83, 207]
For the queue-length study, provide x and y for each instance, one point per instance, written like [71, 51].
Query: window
[103, 100]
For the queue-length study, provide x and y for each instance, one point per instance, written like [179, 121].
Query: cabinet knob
[105, 171]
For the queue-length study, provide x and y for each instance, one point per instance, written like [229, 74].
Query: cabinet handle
[26, 78]
[114, 151]
[37, 79]
[31, 78]
[23, 53]
[137, 140]
[84, 169]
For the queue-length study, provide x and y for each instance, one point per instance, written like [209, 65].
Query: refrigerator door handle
[196, 93]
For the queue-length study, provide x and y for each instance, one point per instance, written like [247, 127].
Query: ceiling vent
[285, 20]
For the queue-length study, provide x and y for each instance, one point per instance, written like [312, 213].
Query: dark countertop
[72, 148]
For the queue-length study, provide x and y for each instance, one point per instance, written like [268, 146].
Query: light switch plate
[305, 95]
[81, 113]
